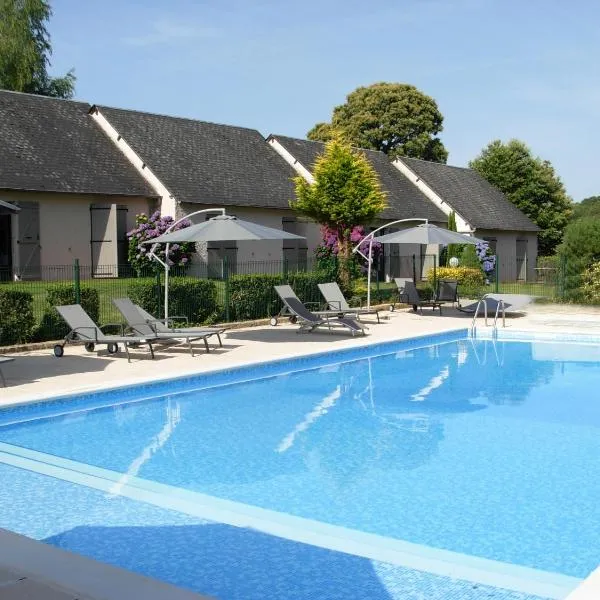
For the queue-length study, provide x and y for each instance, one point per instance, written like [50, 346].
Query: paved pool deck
[39, 374]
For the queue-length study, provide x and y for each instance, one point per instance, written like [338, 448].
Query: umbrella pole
[369, 263]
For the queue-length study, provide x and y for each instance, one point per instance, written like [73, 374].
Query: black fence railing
[219, 291]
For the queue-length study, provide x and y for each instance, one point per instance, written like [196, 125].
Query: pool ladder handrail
[501, 303]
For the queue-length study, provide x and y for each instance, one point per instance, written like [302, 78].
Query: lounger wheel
[293, 319]
[112, 348]
[273, 321]
[89, 346]
[58, 350]
[392, 307]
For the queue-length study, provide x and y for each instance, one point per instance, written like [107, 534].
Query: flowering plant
[329, 248]
[486, 258]
[149, 227]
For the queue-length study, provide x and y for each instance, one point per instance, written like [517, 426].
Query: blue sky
[498, 69]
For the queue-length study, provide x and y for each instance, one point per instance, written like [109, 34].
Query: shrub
[466, 276]
[253, 296]
[18, 321]
[52, 326]
[193, 298]
[469, 258]
[590, 284]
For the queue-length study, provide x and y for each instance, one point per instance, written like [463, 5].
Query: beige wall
[507, 248]
[65, 223]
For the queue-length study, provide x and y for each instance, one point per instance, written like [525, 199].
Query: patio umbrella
[224, 227]
[426, 234]
[216, 229]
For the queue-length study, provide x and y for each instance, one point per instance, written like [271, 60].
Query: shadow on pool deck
[229, 562]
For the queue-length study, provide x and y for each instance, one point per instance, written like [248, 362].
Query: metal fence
[545, 281]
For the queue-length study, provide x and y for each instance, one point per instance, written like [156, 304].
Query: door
[5, 247]
[28, 241]
[521, 260]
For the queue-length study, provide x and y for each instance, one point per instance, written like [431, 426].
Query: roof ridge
[41, 97]
[177, 118]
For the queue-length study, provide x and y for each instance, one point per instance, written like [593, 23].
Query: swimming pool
[414, 455]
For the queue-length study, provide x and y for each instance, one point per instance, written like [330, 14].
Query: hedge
[195, 299]
[17, 321]
[52, 326]
[254, 297]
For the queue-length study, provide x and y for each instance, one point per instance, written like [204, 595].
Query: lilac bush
[329, 248]
[149, 227]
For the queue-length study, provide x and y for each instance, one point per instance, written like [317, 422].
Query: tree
[25, 50]
[587, 208]
[345, 193]
[395, 118]
[531, 184]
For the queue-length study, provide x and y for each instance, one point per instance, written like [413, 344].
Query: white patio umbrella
[216, 229]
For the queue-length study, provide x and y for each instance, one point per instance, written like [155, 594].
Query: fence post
[562, 274]
[226, 279]
[77, 281]
[434, 274]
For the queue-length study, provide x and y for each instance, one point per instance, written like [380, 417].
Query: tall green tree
[395, 118]
[345, 193]
[531, 184]
[25, 50]
[587, 208]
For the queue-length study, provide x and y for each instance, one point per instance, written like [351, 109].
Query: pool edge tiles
[237, 373]
[370, 546]
[526, 335]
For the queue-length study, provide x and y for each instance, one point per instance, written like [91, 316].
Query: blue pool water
[479, 447]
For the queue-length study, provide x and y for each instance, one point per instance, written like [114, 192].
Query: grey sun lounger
[513, 303]
[4, 360]
[142, 323]
[447, 291]
[336, 301]
[286, 291]
[85, 331]
[310, 321]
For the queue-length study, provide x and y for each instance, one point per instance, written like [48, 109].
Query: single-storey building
[79, 174]
[76, 195]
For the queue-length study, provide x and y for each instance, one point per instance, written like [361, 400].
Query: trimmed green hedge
[17, 320]
[253, 296]
[52, 326]
[195, 299]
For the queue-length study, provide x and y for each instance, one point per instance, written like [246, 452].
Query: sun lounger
[4, 360]
[512, 303]
[411, 295]
[336, 301]
[141, 323]
[85, 331]
[286, 291]
[310, 321]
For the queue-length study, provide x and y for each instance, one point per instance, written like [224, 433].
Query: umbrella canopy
[426, 234]
[224, 227]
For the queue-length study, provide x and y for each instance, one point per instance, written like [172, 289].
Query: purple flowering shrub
[149, 227]
[328, 250]
[486, 258]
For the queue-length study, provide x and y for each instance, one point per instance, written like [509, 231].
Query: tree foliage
[531, 184]
[395, 118]
[25, 50]
[580, 249]
[587, 208]
[345, 193]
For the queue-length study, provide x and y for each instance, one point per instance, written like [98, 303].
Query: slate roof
[479, 202]
[51, 145]
[404, 200]
[207, 163]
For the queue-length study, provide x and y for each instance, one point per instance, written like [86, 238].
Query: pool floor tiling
[212, 558]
